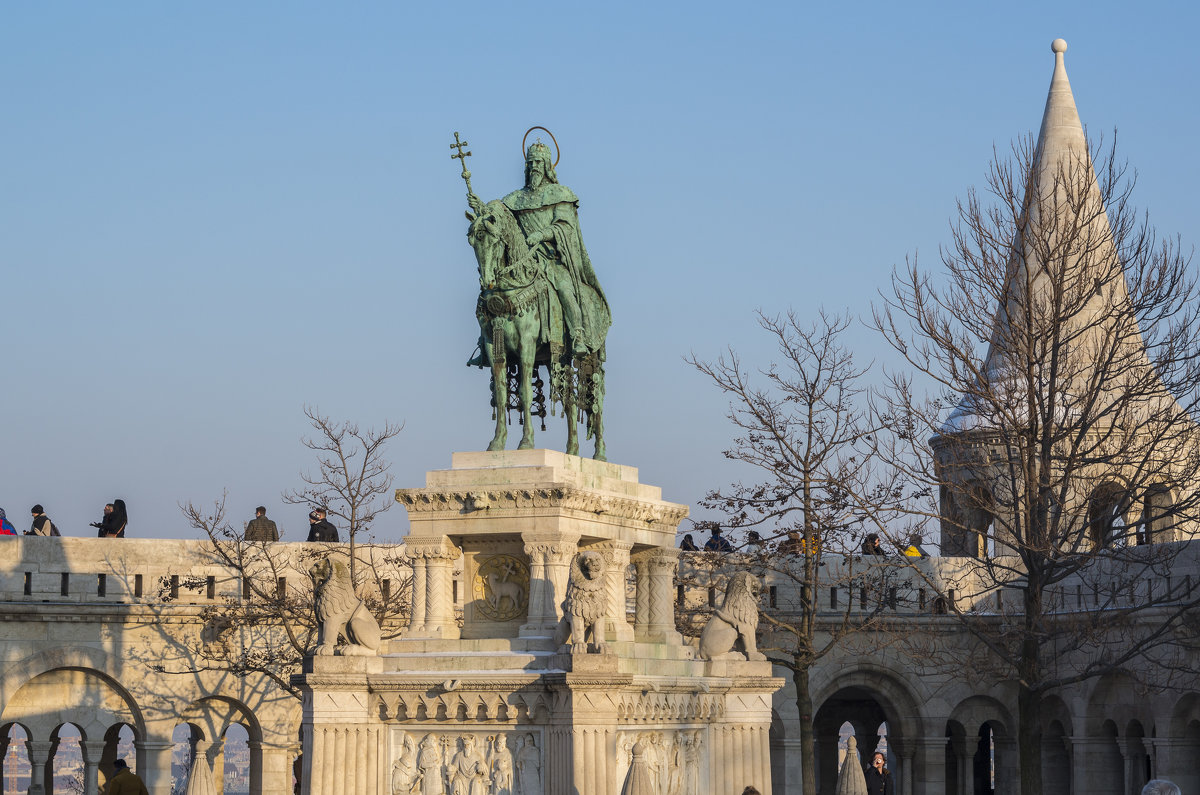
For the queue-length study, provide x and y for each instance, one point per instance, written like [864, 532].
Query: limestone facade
[102, 661]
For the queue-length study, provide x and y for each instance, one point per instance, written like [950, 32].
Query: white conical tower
[1063, 253]
[1066, 352]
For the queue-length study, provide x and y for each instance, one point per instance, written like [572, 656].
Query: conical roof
[1063, 246]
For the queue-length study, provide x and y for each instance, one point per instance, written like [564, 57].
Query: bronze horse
[522, 329]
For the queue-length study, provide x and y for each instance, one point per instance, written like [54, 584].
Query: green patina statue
[540, 304]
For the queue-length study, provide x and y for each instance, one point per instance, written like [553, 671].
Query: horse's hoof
[573, 448]
[496, 445]
[600, 453]
[526, 444]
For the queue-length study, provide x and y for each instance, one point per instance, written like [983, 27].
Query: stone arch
[84, 658]
[1108, 512]
[1116, 699]
[870, 695]
[987, 727]
[85, 697]
[1184, 727]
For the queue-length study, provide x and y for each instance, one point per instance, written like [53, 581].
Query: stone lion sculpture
[341, 612]
[736, 620]
[584, 607]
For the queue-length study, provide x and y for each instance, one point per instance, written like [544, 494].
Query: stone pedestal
[500, 697]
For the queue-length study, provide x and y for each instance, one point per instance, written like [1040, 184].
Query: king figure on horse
[540, 304]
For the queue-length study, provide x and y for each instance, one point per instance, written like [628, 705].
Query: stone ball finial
[1058, 46]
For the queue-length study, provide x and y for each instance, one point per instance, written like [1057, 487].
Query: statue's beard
[534, 179]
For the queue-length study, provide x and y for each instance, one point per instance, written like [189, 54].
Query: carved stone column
[641, 615]
[549, 568]
[616, 560]
[93, 752]
[663, 563]
[416, 619]
[434, 557]
[154, 763]
[536, 620]
[558, 571]
[39, 758]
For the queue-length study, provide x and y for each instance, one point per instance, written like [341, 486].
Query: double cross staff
[466, 175]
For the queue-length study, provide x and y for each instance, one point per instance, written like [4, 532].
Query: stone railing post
[616, 561]
[662, 564]
[549, 568]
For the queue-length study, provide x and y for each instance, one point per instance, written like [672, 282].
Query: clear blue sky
[213, 214]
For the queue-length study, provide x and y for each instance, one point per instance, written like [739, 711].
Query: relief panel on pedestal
[497, 590]
[466, 763]
[672, 758]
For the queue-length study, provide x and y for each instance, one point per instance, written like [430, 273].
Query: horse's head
[498, 243]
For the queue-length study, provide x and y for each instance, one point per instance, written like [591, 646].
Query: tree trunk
[808, 757]
[1029, 736]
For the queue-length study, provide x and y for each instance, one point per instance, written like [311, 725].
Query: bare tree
[1063, 460]
[267, 625]
[352, 481]
[813, 502]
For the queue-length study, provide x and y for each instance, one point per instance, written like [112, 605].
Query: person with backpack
[6, 527]
[42, 526]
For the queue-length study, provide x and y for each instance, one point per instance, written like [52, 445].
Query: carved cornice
[436, 548]
[438, 503]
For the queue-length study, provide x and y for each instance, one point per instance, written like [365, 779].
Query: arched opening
[236, 773]
[1157, 525]
[64, 767]
[1109, 778]
[1107, 509]
[983, 762]
[968, 520]
[1056, 761]
[1137, 759]
[852, 711]
[15, 775]
[957, 782]
[186, 738]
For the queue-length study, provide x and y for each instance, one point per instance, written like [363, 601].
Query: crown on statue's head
[538, 150]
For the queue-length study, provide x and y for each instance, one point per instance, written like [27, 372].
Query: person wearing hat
[42, 526]
[320, 528]
[125, 781]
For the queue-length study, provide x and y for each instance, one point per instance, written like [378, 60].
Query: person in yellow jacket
[124, 781]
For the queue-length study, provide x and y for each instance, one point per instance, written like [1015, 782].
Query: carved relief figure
[468, 769]
[691, 763]
[404, 772]
[341, 612]
[502, 766]
[429, 762]
[584, 607]
[529, 767]
[736, 620]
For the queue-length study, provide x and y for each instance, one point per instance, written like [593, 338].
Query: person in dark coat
[718, 542]
[320, 528]
[114, 521]
[879, 778]
[688, 545]
[6, 527]
[261, 528]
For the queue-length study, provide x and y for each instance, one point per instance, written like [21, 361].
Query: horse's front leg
[525, 378]
[499, 388]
